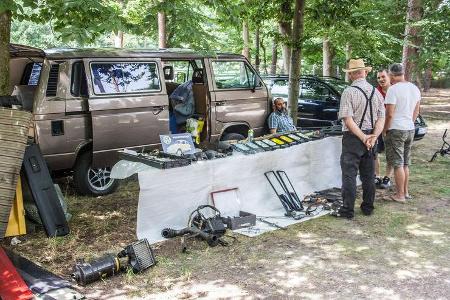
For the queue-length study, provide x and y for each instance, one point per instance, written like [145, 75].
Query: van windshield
[114, 78]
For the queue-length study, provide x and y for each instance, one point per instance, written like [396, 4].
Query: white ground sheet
[167, 197]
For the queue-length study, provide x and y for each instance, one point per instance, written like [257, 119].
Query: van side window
[233, 75]
[120, 78]
[31, 74]
[78, 85]
[52, 83]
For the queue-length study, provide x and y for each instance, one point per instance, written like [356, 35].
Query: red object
[12, 286]
[380, 89]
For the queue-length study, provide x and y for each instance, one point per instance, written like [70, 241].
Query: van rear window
[119, 78]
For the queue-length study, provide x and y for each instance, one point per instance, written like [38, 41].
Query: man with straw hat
[362, 114]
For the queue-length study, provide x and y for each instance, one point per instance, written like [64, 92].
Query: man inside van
[279, 120]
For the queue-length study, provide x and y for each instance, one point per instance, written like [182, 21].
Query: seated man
[279, 120]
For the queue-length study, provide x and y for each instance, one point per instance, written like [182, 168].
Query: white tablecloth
[168, 196]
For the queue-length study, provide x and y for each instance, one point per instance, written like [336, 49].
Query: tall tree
[257, 45]
[412, 39]
[294, 67]
[246, 39]
[162, 35]
[118, 35]
[328, 55]
[285, 29]
[273, 65]
[5, 29]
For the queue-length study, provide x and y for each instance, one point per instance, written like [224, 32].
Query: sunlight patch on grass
[418, 230]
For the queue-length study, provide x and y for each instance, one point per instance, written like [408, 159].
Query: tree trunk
[348, 55]
[257, 59]
[162, 35]
[294, 74]
[273, 65]
[412, 41]
[327, 61]
[264, 55]
[118, 39]
[285, 31]
[5, 36]
[428, 76]
[246, 40]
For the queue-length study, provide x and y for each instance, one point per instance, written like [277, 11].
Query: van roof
[170, 53]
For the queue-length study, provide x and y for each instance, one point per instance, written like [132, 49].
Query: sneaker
[378, 182]
[385, 183]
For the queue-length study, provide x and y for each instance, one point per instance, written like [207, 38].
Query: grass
[400, 252]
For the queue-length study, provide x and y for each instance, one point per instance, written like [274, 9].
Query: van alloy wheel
[99, 179]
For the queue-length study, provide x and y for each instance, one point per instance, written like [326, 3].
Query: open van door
[238, 97]
[128, 104]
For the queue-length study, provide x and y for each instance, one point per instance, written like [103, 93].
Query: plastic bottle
[250, 135]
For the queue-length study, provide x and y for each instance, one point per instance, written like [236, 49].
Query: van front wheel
[90, 181]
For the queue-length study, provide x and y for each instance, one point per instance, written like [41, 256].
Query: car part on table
[241, 147]
[44, 193]
[445, 148]
[137, 257]
[292, 209]
[279, 142]
[209, 229]
[158, 160]
[263, 145]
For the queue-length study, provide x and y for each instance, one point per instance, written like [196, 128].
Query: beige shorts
[398, 145]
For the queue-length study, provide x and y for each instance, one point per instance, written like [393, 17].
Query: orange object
[16, 222]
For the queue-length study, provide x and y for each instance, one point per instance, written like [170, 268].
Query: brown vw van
[90, 103]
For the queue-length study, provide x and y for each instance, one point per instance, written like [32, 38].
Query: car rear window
[120, 78]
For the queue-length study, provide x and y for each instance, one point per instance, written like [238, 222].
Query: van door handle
[220, 103]
[158, 109]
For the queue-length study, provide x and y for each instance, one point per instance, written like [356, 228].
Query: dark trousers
[354, 157]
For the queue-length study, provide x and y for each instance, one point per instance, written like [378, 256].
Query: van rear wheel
[90, 181]
[233, 137]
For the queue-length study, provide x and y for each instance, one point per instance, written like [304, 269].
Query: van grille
[52, 83]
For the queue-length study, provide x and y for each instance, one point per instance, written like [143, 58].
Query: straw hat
[357, 64]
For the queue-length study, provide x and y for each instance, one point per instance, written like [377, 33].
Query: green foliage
[373, 28]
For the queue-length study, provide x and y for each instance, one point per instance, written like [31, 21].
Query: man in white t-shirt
[402, 108]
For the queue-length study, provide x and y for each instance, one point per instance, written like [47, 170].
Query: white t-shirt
[405, 96]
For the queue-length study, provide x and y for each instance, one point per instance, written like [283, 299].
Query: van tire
[82, 173]
[233, 137]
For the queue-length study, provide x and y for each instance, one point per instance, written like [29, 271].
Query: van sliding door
[128, 106]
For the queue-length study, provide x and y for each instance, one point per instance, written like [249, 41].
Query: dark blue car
[318, 103]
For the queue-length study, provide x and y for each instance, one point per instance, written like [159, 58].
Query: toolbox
[244, 220]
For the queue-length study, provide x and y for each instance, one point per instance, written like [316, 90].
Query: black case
[44, 193]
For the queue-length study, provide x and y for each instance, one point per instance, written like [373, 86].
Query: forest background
[313, 36]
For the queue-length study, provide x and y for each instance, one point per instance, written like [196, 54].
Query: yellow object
[286, 139]
[200, 125]
[277, 141]
[16, 223]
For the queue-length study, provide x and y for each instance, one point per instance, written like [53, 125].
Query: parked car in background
[318, 102]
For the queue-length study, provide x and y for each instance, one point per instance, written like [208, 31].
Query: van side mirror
[168, 72]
